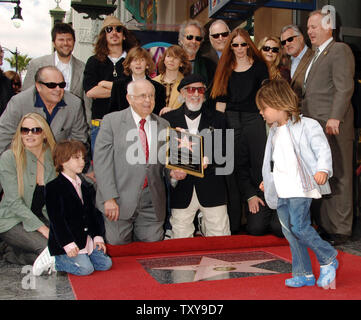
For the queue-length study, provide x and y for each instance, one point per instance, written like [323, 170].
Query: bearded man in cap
[207, 194]
[104, 67]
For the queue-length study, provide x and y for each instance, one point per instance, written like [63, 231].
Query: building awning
[242, 10]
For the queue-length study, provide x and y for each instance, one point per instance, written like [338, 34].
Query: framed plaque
[185, 151]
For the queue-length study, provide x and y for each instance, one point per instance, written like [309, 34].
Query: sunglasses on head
[192, 90]
[236, 45]
[36, 130]
[290, 39]
[273, 49]
[53, 85]
[223, 34]
[198, 38]
[118, 29]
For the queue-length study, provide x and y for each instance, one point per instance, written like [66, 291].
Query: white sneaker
[168, 234]
[44, 262]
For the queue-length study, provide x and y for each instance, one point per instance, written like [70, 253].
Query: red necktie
[144, 141]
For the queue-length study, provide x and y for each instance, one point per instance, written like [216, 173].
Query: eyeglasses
[192, 90]
[290, 39]
[118, 29]
[53, 85]
[143, 96]
[217, 35]
[25, 131]
[198, 38]
[273, 49]
[236, 45]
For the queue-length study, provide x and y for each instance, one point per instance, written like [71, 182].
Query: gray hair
[186, 24]
[219, 21]
[39, 72]
[293, 27]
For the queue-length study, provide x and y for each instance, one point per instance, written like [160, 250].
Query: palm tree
[19, 61]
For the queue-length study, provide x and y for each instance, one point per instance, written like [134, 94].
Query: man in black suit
[207, 194]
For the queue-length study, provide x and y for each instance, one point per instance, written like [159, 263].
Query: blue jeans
[83, 264]
[94, 130]
[294, 216]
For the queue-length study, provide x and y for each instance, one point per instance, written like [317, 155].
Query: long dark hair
[101, 47]
[228, 62]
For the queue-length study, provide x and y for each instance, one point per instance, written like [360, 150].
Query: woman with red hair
[240, 73]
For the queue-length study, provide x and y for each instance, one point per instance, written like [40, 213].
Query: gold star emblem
[185, 143]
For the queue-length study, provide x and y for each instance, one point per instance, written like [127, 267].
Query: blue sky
[33, 37]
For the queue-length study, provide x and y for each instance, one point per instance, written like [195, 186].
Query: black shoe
[338, 239]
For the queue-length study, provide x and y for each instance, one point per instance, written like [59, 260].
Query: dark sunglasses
[192, 90]
[36, 130]
[118, 29]
[198, 38]
[273, 49]
[223, 34]
[53, 85]
[290, 39]
[236, 45]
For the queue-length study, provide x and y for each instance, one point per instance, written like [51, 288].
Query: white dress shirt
[66, 69]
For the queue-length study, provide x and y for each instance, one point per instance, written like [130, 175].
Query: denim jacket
[312, 152]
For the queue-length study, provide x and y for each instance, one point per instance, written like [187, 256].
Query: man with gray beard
[207, 194]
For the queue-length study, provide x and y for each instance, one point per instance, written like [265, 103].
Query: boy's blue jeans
[294, 216]
[83, 264]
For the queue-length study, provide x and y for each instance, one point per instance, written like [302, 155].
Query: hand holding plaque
[185, 152]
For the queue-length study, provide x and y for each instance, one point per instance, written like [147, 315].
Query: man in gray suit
[62, 110]
[329, 87]
[293, 42]
[130, 185]
[63, 38]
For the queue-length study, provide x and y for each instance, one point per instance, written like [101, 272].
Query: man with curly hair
[105, 66]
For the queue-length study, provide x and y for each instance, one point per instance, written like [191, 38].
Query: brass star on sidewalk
[209, 267]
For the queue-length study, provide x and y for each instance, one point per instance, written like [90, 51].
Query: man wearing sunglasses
[62, 110]
[104, 67]
[190, 38]
[293, 42]
[207, 194]
[218, 36]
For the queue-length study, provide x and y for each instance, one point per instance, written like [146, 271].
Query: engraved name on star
[209, 267]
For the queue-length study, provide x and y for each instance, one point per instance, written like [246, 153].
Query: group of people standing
[113, 94]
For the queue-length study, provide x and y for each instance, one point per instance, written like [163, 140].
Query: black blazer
[70, 219]
[118, 100]
[211, 189]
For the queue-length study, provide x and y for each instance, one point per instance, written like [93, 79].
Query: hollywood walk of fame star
[185, 143]
[209, 267]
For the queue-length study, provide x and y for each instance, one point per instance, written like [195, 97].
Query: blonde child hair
[278, 94]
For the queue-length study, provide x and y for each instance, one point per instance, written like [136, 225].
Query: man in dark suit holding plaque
[207, 194]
